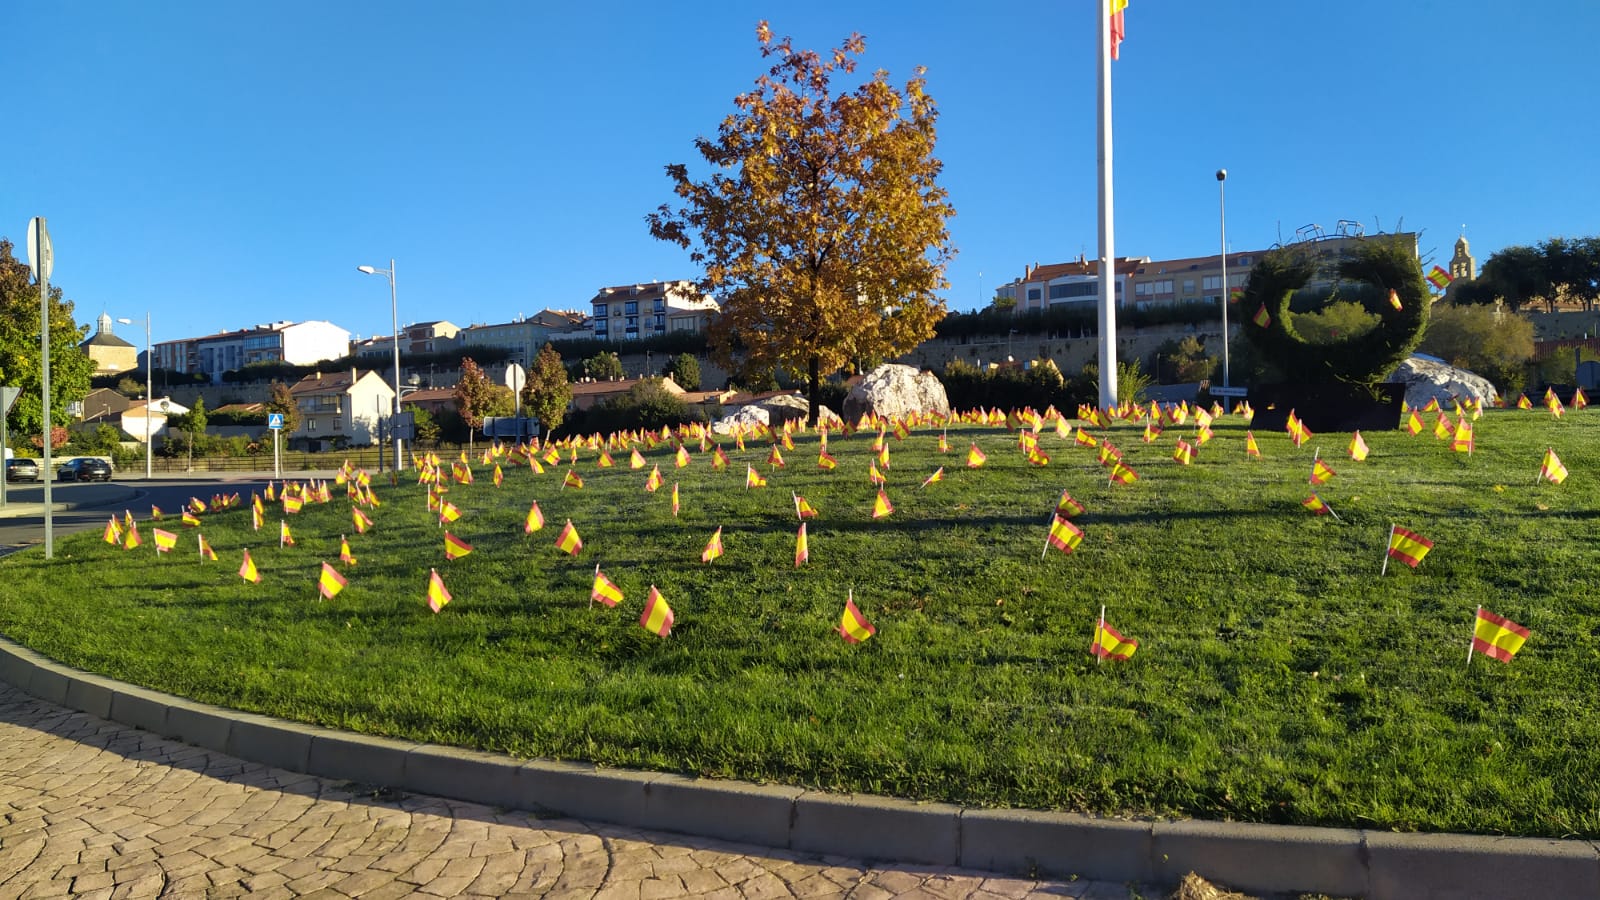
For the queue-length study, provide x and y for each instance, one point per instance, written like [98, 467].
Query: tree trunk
[816, 389]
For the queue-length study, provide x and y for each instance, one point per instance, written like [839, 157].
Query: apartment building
[299, 343]
[633, 311]
[341, 407]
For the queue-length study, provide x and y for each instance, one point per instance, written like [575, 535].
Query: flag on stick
[113, 534]
[674, 499]
[1321, 472]
[881, 506]
[1262, 318]
[682, 458]
[165, 540]
[535, 520]
[1406, 546]
[1439, 278]
[573, 480]
[568, 541]
[825, 460]
[752, 478]
[247, 569]
[713, 547]
[1063, 536]
[360, 519]
[1394, 299]
[1495, 636]
[454, 547]
[802, 549]
[1358, 447]
[1462, 442]
[437, 595]
[604, 590]
[205, 548]
[1067, 507]
[803, 508]
[936, 477]
[345, 556]
[285, 538]
[1552, 469]
[1319, 506]
[975, 457]
[1251, 449]
[657, 617]
[1183, 453]
[330, 582]
[655, 481]
[1121, 474]
[853, 626]
[1109, 643]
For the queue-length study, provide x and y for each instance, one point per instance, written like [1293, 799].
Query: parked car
[22, 469]
[84, 468]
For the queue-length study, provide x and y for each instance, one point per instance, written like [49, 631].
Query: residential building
[589, 393]
[633, 311]
[522, 337]
[341, 408]
[418, 337]
[105, 405]
[434, 400]
[110, 353]
[301, 343]
[1042, 287]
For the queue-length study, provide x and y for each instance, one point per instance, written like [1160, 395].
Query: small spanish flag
[1408, 546]
[330, 582]
[874, 476]
[189, 519]
[654, 481]
[1579, 401]
[165, 540]
[775, 458]
[881, 506]
[1394, 299]
[1497, 636]
[635, 461]
[345, 556]
[360, 519]
[438, 596]
[674, 499]
[205, 548]
[1066, 506]
[285, 538]
[1084, 439]
[247, 569]
[448, 512]
[454, 547]
[713, 546]
[1358, 447]
[113, 534]
[803, 509]
[292, 504]
[1523, 402]
[498, 476]
[1110, 644]
[568, 541]
[1315, 504]
[535, 520]
[975, 457]
[1183, 453]
[936, 477]
[1063, 536]
[682, 458]
[657, 617]
[752, 478]
[1262, 318]
[825, 461]
[604, 590]
[1321, 472]
[1413, 424]
[1250, 446]
[1461, 441]
[1121, 474]
[1551, 469]
[853, 626]
[573, 480]
[605, 461]
[802, 549]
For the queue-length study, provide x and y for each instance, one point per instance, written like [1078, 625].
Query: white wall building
[632, 311]
[341, 405]
[299, 343]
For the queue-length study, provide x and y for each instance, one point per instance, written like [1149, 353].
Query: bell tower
[1462, 265]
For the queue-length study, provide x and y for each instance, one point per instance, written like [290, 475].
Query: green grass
[1279, 678]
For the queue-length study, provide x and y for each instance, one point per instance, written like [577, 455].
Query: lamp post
[149, 387]
[1222, 225]
[394, 312]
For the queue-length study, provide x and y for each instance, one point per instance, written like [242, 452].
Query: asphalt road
[22, 518]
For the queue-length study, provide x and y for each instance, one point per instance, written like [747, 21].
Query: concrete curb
[13, 510]
[1244, 856]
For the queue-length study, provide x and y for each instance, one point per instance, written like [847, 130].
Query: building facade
[633, 311]
[301, 343]
[341, 407]
[521, 338]
[110, 353]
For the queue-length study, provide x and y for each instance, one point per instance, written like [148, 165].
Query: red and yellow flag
[438, 596]
[330, 582]
[853, 626]
[1551, 469]
[1462, 441]
[803, 509]
[975, 457]
[285, 538]
[292, 504]
[719, 460]
[713, 547]
[654, 481]
[1315, 504]
[605, 461]
[635, 460]
[535, 520]
[247, 569]
[113, 533]
[1110, 644]
[657, 617]
[1183, 453]
[448, 512]
[1579, 401]
[881, 506]
[674, 499]
[874, 476]
[165, 540]
[1066, 506]
[568, 541]
[1064, 535]
[1413, 424]
[1121, 474]
[345, 556]
[802, 548]
[604, 590]
[1358, 447]
[1408, 546]
[454, 547]
[573, 480]
[189, 519]
[1262, 318]
[825, 461]
[775, 458]
[1321, 472]
[935, 478]
[752, 478]
[1523, 402]
[1394, 299]
[682, 458]
[360, 519]
[1251, 449]
[1497, 636]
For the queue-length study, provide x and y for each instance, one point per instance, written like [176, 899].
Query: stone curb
[14, 510]
[1244, 856]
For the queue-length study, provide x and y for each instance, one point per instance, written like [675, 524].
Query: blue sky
[223, 164]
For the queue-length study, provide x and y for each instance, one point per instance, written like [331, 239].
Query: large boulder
[893, 390]
[742, 419]
[773, 412]
[1427, 379]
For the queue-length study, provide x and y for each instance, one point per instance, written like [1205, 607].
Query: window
[659, 306]
[1244, 260]
[1211, 283]
[311, 423]
[633, 321]
[1033, 293]
[599, 310]
[661, 321]
[632, 307]
[1188, 285]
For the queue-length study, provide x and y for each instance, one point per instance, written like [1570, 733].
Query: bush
[685, 370]
[969, 387]
[1182, 362]
[1497, 346]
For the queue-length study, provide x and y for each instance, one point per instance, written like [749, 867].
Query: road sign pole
[42, 256]
[277, 471]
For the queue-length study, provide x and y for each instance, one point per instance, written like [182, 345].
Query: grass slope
[1279, 677]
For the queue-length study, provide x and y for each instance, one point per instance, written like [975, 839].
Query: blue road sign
[275, 421]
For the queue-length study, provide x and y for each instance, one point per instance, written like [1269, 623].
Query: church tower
[1462, 266]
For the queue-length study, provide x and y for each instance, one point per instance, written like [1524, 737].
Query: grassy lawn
[1279, 677]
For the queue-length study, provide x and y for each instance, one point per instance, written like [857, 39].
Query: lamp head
[125, 321]
[1222, 174]
[366, 270]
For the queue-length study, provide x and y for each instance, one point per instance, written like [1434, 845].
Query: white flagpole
[1108, 256]
[1051, 524]
[1386, 551]
[1474, 633]
[1099, 633]
[1314, 457]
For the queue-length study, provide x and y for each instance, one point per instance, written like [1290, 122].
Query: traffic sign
[515, 378]
[1229, 391]
[275, 421]
[40, 255]
[8, 396]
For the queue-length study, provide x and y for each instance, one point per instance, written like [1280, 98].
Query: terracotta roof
[241, 408]
[1125, 265]
[327, 382]
[430, 395]
[101, 339]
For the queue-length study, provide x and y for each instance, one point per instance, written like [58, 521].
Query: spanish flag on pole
[454, 547]
[936, 477]
[1109, 643]
[674, 499]
[535, 520]
[1262, 318]
[802, 549]
[205, 548]
[330, 582]
[853, 626]
[1406, 546]
[113, 534]
[682, 458]
[635, 461]
[568, 541]
[803, 509]
[752, 478]
[881, 506]
[604, 589]
[1251, 449]
[1358, 447]
[1551, 469]
[247, 569]
[713, 547]
[573, 480]
[165, 540]
[437, 595]
[1067, 507]
[719, 460]
[345, 556]
[975, 457]
[189, 519]
[1496, 636]
[1461, 441]
[825, 460]
[655, 481]
[1321, 472]
[285, 538]
[657, 617]
[1063, 536]
[1183, 453]
[1121, 474]
[1413, 424]
[360, 519]
[1315, 504]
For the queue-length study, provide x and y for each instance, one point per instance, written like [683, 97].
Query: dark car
[84, 468]
[22, 469]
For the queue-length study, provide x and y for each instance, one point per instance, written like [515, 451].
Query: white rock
[894, 390]
[1427, 380]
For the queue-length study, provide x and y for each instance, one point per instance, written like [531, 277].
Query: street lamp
[149, 387]
[394, 312]
[1222, 224]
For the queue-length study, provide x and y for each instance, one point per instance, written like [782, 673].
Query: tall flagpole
[1108, 257]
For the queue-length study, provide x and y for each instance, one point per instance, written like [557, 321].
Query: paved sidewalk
[89, 808]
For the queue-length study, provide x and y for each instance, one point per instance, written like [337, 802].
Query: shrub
[1497, 346]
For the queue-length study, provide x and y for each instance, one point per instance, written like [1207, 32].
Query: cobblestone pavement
[94, 809]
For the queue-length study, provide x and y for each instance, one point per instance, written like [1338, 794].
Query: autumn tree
[280, 401]
[822, 226]
[70, 367]
[477, 395]
[547, 393]
[603, 366]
